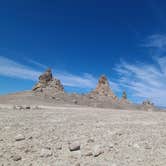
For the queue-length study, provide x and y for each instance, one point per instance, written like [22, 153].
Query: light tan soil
[41, 137]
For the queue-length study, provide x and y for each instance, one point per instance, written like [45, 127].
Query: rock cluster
[48, 84]
[148, 105]
[103, 88]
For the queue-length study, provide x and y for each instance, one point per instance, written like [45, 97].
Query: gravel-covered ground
[75, 135]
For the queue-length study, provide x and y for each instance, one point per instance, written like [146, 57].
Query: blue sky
[81, 40]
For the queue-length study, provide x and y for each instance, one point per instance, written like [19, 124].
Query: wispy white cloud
[155, 41]
[78, 81]
[36, 63]
[144, 80]
[14, 69]
[11, 68]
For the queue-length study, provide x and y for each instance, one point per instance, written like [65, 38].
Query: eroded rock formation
[103, 88]
[48, 84]
[124, 98]
[148, 105]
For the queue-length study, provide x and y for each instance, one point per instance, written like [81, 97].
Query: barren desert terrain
[68, 135]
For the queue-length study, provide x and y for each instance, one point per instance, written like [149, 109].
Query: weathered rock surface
[103, 88]
[48, 85]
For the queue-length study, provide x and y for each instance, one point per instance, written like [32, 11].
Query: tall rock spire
[103, 88]
[48, 84]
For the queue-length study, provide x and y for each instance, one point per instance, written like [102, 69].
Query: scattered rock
[16, 157]
[45, 153]
[21, 107]
[74, 146]
[20, 137]
[97, 150]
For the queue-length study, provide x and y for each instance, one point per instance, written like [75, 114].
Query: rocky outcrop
[148, 105]
[124, 98]
[48, 84]
[103, 88]
[124, 95]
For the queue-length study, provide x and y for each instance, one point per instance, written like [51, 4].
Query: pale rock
[97, 150]
[16, 157]
[45, 153]
[136, 146]
[19, 137]
[74, 146]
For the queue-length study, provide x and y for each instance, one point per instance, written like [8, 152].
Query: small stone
[45, 153]
[77, 164]
[136, 146]
[74, 146]
[97, 150]
[27, 107]
[19, 137]
[16, 157]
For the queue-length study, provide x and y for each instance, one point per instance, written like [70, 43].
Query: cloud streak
[155, 41]
[11, 68]
[144, 80]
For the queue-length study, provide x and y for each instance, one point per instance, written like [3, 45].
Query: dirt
[73, 135]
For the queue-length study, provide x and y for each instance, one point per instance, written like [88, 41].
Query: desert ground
[71, 135]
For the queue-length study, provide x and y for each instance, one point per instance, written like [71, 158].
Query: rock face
[103, 88]
[48, 84]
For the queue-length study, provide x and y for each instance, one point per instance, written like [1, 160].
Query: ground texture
[74, 135]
